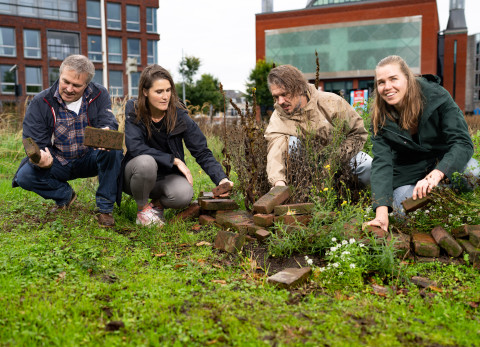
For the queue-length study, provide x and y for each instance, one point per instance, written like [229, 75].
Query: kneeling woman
[419, 138]
[156, 126]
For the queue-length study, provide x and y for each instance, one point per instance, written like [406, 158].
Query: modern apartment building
[351, 36]
[36, 35]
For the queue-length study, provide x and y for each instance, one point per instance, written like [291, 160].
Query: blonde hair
[412, 101]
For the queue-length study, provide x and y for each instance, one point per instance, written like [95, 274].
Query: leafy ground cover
[65, 281]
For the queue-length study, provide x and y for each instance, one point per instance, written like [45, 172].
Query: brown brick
[422, 282]
[240, 221]
[351, 231]
[379, 233]
[301, 219]
[262, 234]
[218, 204]
[206, 220]
[229, 242]
[205, 195]
[305, 208]
[32, 150]
[263, 219]
[411, 205]
[401, 243]
[192, 211]
[252, 229]
[221, 189]
[103, 138]
[446, 241]
[461, 231]
[425, 246]
[471, 250]
[290, 278]
[474, 237]
[276, 196]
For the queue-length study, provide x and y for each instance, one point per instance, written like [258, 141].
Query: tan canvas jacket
[317, 116]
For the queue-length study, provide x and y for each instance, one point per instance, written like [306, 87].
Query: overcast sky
[222, 34]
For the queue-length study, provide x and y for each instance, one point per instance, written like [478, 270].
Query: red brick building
[36, 35]
[351, 36]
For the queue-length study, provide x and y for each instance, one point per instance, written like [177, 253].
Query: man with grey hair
[300, 107]
[56, 120]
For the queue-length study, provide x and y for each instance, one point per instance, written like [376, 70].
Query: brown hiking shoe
[105, 220]
[56, 208]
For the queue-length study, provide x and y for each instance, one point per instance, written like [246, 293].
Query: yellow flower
[199, 171]
[344, 202]
[327, 167]
[325, 189]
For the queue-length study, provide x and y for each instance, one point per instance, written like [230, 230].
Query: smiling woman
[419, 138]
[157, 126]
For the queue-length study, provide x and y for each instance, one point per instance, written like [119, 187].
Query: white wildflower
[352, 266]
[335, 264]
[334, 239]
[361, 245]
[345, 252]
[333, 249]
[344, 242]
[321, 269]
[309, 261]
[340, 273]
[306, 257]
[352, 241]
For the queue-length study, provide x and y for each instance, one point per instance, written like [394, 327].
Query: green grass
[62, 279]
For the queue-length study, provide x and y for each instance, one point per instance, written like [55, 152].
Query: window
[133, 18]
[114, 50]
[151, 20]
[7, 7]
[67, 9]
[94, 48]
[7, 79]
[93, 14]
[98, 78]
[63, 10]
[31, 44]
[53, 75]
[62, 44]
[133, 49]
[7, 42]
[135, 76]
[115, 79]
[477, 65]
[114, 16]
[33, 79]
[151, 52]
[27, 8]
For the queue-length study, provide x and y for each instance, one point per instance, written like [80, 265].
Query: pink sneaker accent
[158, 211]
[148, 217]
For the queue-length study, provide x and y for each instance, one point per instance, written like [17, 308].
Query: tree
[258, 80]
[189, 67]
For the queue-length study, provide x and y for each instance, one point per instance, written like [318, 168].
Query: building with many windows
[36, 35]
[352, 36]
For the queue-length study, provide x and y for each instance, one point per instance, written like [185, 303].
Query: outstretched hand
[184, 170]
[425, 185]
[381, 218]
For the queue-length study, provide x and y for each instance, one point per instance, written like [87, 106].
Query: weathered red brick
[422, 282]
[425, 246]
[305, 208]
[474, 237]
[471, 250]
[276, 196]
[221, 189]
[32, 150]
[252, 229]
[193, 211]
[301, 219]
[379, 233]
[290, 278]
[262, 234]
[351, 231]
[411, 205]
[446, 241]
[206, 220]
[218, 204]
[263, 219]
[401, 242]
[461, 231]
[240, 221]
[103, 138]
[229, 242]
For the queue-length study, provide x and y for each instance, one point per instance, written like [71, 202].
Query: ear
[145, 92]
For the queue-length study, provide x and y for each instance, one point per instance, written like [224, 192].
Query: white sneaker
[148, 217]
[158, 211]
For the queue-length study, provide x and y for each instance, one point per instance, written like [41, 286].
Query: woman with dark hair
[156, 127]
[420, 137]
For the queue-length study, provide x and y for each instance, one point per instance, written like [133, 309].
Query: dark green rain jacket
[443, 143]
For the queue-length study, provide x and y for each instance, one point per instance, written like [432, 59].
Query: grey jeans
[404, 192]
[140, 181]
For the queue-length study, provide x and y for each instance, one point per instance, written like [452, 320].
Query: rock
[290, 278]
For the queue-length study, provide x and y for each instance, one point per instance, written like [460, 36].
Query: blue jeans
[361, 163]
[52, 183]
[404, 192]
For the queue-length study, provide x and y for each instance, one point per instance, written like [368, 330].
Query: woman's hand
[381, 218]
[425, 185]
[184, 170]
[46, 159]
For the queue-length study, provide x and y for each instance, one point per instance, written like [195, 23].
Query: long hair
[149, 75]
[412, 101]
[289, 78]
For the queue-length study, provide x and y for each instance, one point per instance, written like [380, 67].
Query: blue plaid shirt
[69, 130]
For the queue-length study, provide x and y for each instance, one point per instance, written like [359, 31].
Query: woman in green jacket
[419, 138]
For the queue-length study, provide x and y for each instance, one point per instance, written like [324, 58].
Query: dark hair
[289, 78]
[149, 75]
[413, 99]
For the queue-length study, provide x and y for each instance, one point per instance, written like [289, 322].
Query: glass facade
[346, 49]
[31, 44]
[33, 79]
[151, 20]
[133, 49]
[330, 2]
[53, 75]
[62, 44]
[115, 79]
[135, 76]
[98, 78]
[151, 52]
[93, 14]
[114, 50]
[114, 16]
[7, 79]
[133, 18]
[7, 42]
[95, 48]
[63, 10]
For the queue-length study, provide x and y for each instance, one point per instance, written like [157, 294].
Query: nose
[70, 88]
[388, 85]
[281, 100]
